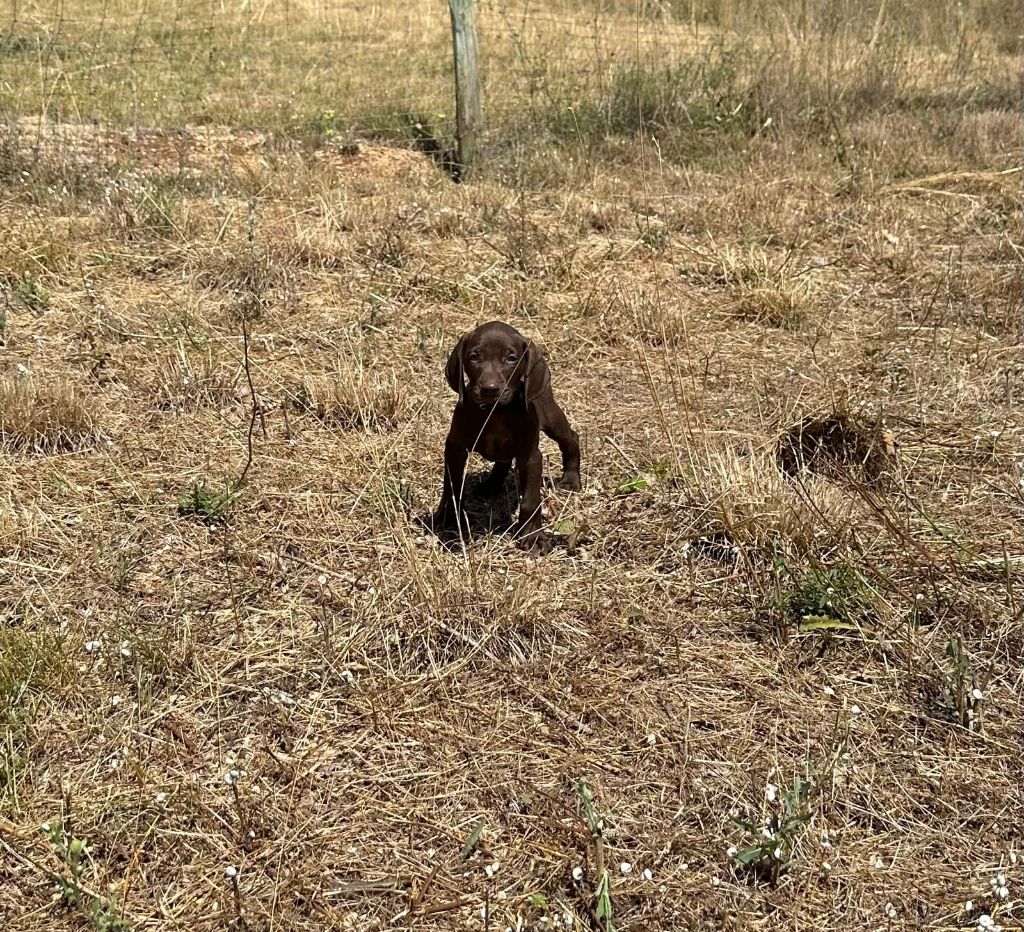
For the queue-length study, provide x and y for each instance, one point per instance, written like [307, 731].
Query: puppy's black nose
[489, 391]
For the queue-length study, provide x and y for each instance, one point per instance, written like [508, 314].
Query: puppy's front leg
[494, 485]
[531, 471]
[556, 426]
[450, 506]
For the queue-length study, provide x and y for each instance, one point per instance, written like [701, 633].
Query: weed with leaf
[770, 850]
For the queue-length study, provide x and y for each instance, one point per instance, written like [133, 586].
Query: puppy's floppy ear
[537, 377]
[453, 370]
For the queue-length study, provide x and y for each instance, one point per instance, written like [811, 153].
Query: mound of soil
[837, 447]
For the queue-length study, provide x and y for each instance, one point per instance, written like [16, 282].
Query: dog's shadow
[484, 512]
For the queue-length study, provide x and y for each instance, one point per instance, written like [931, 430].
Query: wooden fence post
[467, 84]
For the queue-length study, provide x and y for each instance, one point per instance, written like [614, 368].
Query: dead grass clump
[353, 399]
[251, 277]
[30, 250]
[517, 300]
[317, 249]
[450, 621]
[763, 289]
[836, 446]
[43, 418]
[11, 531]
[744, 498]
[386, 248]
[188, 382]
[602, 218]
[138, 208]
[784, 305]
[655, 322]
[441, 222]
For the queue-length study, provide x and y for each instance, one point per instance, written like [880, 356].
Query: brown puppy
[505, 401]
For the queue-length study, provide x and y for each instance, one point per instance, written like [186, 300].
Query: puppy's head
[488, 365]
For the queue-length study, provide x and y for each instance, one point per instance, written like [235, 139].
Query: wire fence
[341, 68]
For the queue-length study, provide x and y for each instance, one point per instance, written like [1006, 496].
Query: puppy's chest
[503, 438]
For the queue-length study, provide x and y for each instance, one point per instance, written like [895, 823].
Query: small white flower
[999, 880]
[829, 691]
[890, 911]
[160, 798]
[577, 874]
[877, 862]
[491, 869]
[231, 872]
[347, 676]
[647, 875]
[977, 695]
[626, 868]
[777, 854]
[826, 866]
[652, 738]
[115, 700]
[92, 646]
[969, 906]
[234, 776]
[715, 881]
[770, 792]
[919, 597]
[730, 852]
[21, 370]
[826, 842]
[767, 833]
[126, 649]
[985, 921]
[322, 579]
[1002, 893]
[45, 827]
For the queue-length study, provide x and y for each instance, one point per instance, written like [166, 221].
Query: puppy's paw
[535, 544]
[448, 521]
[531, 539]
[570, 482]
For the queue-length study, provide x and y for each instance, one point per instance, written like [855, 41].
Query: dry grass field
[769, 677]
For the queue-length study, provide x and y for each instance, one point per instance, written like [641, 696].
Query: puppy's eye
[511, 357]
[474, 357]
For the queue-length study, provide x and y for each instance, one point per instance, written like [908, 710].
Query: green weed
[961, 695]
[209, 505]
[771, 847]
[602, 893]
[101, 915]
[822, 598]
